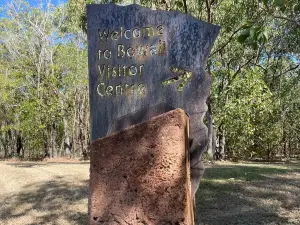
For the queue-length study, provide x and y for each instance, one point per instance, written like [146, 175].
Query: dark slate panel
[179, 40]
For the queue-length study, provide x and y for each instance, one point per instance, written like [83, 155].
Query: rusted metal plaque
[141, 58]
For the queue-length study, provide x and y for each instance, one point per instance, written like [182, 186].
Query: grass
[39, 193]
[250, 193]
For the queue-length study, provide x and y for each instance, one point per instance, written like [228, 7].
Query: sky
[31, 2]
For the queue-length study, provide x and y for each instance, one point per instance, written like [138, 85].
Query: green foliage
[43, 69]
[255, 99]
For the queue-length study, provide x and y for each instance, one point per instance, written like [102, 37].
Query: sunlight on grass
[250, 193]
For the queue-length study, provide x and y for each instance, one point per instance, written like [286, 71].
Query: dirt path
[34, 193]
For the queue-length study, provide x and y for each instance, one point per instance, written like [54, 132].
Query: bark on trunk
[67, 147]
[19, 144]
[214, 138]
[222, 143]
[54, 147]
[209, 119]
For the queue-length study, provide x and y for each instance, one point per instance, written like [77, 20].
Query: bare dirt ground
[39, 193]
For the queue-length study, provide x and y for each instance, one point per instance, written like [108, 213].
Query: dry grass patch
[38, 193]
[250, 193]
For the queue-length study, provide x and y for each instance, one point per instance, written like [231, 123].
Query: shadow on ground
[52, 202]
[257, 195]
[245, 173]
[37, 164]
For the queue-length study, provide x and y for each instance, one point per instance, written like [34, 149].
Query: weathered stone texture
[141, 175]
[188, 43]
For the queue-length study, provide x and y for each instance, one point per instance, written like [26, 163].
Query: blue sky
[32, 3]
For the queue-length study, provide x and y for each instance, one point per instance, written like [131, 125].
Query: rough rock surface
[140, 176]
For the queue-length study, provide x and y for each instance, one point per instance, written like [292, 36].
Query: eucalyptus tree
[256, 37]
[31, 40]
[254, 105]
[254, 33]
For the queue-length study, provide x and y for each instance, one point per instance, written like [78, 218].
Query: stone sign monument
[140, 58]
[143, 63]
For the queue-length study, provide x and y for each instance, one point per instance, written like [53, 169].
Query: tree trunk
[268, 153]
[209, 119]
[214, 138]
[46, 150]
[19, 144]
[54, 134]
[9, 143]
[5, 145]
[49, 143]
[67, 146]
[284, 149]
[222, 143]
[290, 148]
[221, 138]
[75, 127]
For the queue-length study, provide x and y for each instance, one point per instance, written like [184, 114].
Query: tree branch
[240, 69]
[260, 66]
[226, 43]
[288, 70]
[297, 23]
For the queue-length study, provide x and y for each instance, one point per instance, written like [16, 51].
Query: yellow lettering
[125, 34]
[100, 89]
[121, 32]
[109, 90]
[141, 69]
[104, 34]
[136, 33]
[129, 89]
[133, 70]
[162, 48]
[130, 52]
[121, 51]
[141, 50]
[153, 50]
[101, 69]
[99, 54]
[124, 71]
[141, 89]
[120, 69]
[160, 29]
[114, 71]
[107, 54]
[114, 35]
[148, 31]
[119, 90]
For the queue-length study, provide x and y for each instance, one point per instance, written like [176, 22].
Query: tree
[255, 65]
[32, 40]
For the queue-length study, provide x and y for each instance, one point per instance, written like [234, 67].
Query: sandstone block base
[140, 176]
